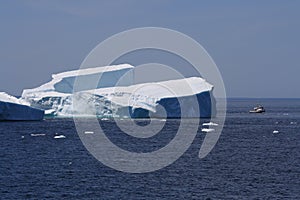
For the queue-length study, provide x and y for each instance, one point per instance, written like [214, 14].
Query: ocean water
[248, 162]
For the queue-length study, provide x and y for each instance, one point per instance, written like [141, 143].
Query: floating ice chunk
[22, 136]
[50, 112]
[59, 137]
[207, 130]
[88, 132]
[293, 123]
[210, 124]
[38, 134]
[275, 131]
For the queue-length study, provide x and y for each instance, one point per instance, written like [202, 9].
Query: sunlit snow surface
[4, 97]
[114, 94]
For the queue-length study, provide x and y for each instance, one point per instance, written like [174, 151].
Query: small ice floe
[293, 123]
[210, 124]
[276, 122]
[275, 131]
[22, 136]
[50, 112]
[207, 130]
[59, 136]
[37, 134]
[285, 114]
[88, 132]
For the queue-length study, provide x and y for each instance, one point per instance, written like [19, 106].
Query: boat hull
[253, 111]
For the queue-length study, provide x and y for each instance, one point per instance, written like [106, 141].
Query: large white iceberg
[111, 97]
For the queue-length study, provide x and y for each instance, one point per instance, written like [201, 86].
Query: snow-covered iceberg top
[89, 71]
[64, 82]
[4, 97]
[163, 89]
[143, 94]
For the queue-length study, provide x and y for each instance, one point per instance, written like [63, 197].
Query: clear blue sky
[254, 43]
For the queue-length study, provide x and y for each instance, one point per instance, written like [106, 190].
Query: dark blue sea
[248, 162]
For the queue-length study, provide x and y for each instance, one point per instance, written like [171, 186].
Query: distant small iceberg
[59, 137]
[50, 112]
[210, 124]
[275, 131]
[88, 132]
[207, 130]
[37, 135]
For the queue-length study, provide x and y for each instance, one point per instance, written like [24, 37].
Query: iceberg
[210, 124]
[111, 97]
[207, 130]
[13, 109]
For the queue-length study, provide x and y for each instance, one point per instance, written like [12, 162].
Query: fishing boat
[258, 109]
